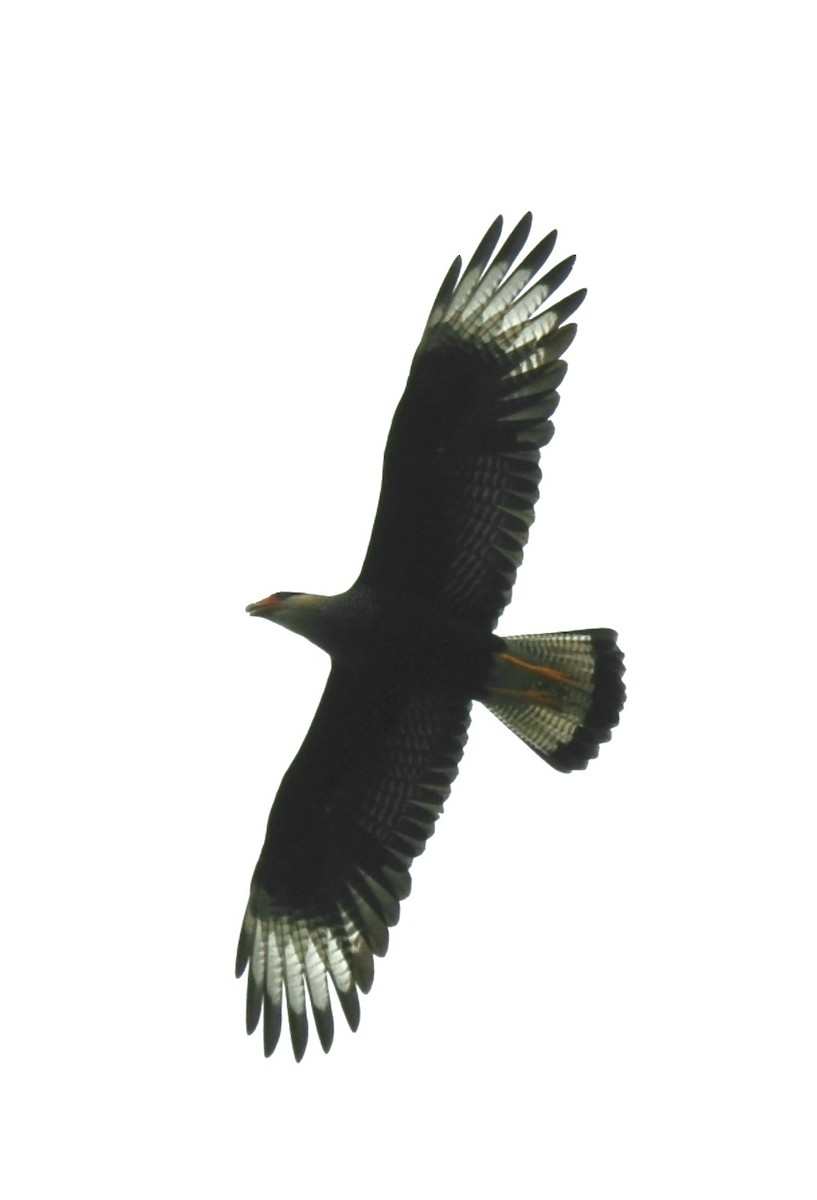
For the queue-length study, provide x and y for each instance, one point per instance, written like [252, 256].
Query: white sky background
[224, 227]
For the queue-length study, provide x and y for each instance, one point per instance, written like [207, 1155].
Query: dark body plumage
[412, 644]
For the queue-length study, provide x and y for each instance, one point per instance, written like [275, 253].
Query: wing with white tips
[461, 467]
[355, 808]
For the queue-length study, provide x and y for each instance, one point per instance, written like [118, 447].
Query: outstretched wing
[461, 467]
[354, 809]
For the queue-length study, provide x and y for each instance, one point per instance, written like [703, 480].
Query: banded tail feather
[561, 693]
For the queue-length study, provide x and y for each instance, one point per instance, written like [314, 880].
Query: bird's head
[297, 611]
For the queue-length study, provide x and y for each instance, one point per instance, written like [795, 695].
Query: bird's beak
[263, 608]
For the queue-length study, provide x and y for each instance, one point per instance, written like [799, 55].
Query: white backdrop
[224, 226]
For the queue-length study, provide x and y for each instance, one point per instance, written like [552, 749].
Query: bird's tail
[560, 692]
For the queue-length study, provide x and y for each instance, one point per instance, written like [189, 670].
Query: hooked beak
[262, 608]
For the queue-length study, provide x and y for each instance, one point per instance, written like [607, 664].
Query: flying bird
[412, 644]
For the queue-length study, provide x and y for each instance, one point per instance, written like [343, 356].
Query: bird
[412, 644]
